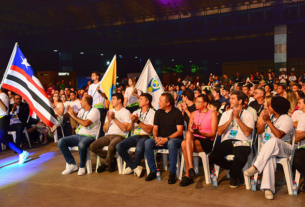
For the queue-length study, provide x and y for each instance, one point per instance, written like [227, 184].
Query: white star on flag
[25, 62]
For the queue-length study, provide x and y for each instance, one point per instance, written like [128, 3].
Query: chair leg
[98, 163]
[55, 136]
[119, 162]
[181, 167]
[206, 167]
[297, 177]
[246, 178]
[62, 131]
[228, 173]
[27, 137]
[178, 165]
[288, 177]
[217, 168]
[196, 164]
[146, 164]
[88, 161]
[164, 156]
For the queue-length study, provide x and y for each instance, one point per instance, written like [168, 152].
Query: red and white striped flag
[19, 78]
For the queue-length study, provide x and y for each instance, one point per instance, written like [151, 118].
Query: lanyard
[273, 122]
[239, 117]
[260, 109]
[143, 115]
[86, 115]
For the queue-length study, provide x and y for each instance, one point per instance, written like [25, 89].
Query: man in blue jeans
[141, 125]
[89, 122]
[167, 133]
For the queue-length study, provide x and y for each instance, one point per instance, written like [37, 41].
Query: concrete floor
[39, 182]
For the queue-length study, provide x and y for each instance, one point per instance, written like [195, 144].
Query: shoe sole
[24, 158]
[233, 186]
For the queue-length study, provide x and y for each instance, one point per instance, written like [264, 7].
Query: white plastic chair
[56, 134]
[13, 133]
[286, 162]
[118, 159]
[297, 177]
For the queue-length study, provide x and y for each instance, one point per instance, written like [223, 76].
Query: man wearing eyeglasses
[19, 113]
[258, 104]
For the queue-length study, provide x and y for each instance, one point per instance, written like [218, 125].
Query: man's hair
[97, 73]
[148, 98]
[89, 99]
[280, 105]
[217, 90]
[247, 86]
[270, 86]
[240, 96]
[283, 86]
[189, 94]
[301, 94]
[169, 98]
[119, 96]
[216, 104]
[226, 89]
[262, 90]
[298, 85]
[72, 92]
[302, 98]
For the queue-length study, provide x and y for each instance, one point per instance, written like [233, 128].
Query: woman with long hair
[199, 137]
[292, 98]
[131, 101]
[277, 130]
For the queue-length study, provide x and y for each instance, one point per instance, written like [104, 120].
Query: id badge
[78, 128]
[232, 134]
[266, 138]
[137, 131]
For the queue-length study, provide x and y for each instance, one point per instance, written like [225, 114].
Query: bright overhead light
[121, 56]
[135, 57]
[55, 50]
[81, 53]
[190, 61]
[173, 59]
[102, 54]
[107, 62]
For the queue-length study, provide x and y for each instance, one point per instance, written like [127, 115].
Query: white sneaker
[23, 156]
[82, 171]
[138, 171]
[70, 169]
[128, 171]
[269, 194]
[251, 171]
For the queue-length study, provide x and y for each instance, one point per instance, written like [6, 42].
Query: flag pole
[9, 63]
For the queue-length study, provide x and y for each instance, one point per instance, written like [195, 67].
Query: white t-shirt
[250, 100]
[283, 123]
[147, 118]
[292, 78]
[131, 98]
[301, 127]
[253, 111]
[93, 115]
[123, 117]
[12, 101]
[296, 115]
[4, 98]
[246, 118]
[283, 78]
[66, 104]
[96, 96]
[75, 105]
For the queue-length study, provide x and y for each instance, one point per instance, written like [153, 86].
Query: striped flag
[19, 78]
[108, 83]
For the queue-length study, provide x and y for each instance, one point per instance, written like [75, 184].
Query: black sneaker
[151, 176]
[172, 178]
[112, 167]
[302, 186]
[101, 168]
[233, 182]
[186, 181]
[192, 173]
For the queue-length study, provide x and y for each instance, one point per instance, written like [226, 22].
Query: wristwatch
[138, 122]
[168, 138]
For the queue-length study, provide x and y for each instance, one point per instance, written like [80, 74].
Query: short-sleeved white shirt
[292, 78]
[66, 104]
[93, 115]
[283, 123]
[123, 116]
[75, 105]
[131, 98]
[301, 127]
[246, 118]
[96, 96]
[6, 102]
[147, 118]
[296, 115]
[253, 111]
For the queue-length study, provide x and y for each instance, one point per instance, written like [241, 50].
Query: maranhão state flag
[19, 78]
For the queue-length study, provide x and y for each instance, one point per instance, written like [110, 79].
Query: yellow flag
[108, 83]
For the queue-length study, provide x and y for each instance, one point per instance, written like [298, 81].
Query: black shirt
[167, 122]
[258, 107]
[186, 117]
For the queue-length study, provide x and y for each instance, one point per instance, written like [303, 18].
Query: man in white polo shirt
[235, 127]
[88, 119]
[141, 124]
[115, 129]
[98, 97]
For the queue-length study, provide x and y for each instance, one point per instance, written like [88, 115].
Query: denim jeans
[172, 145]
[82, 142]
[133, 141]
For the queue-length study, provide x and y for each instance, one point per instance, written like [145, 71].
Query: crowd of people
[221, 118]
